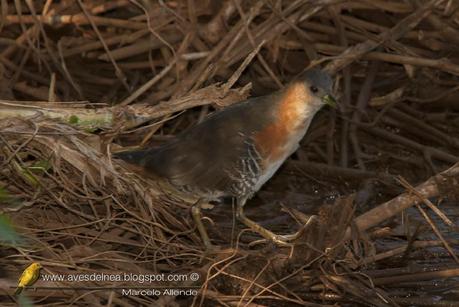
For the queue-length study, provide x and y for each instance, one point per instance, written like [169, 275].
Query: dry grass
[80, 78]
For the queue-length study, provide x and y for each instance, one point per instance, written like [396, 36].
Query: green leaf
[73, 119]
[8, 236]
[24, 301]
[29, 177]
[40, 166]
[6, 197]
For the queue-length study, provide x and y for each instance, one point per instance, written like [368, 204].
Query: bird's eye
[314, 89]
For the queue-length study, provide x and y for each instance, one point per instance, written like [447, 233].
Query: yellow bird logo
[28, 277]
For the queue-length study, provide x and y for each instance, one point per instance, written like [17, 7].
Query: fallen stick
[448, 273]
[92, 116]
[400, 250]
[396, 205]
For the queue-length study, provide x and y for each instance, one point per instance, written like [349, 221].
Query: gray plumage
[218, 157]
[197, 159]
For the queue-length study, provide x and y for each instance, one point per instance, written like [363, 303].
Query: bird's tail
[18, 290]
[131, 156]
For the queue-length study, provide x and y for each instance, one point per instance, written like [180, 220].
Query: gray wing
[208, 156]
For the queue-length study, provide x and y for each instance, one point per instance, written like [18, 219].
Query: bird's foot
[283, 240]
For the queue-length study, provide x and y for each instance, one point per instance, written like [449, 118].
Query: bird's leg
[196, 213]
[267, 234]
[278, 239]
[296, 235]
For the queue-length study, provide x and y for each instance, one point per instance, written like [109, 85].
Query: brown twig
[388, 209]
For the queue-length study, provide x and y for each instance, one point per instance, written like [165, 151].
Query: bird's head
[319, 87]
[36, 266]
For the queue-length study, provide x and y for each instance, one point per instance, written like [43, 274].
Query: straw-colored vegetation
[79, 79]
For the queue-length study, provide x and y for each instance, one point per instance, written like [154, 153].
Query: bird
[28, 277]
[233, 152]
